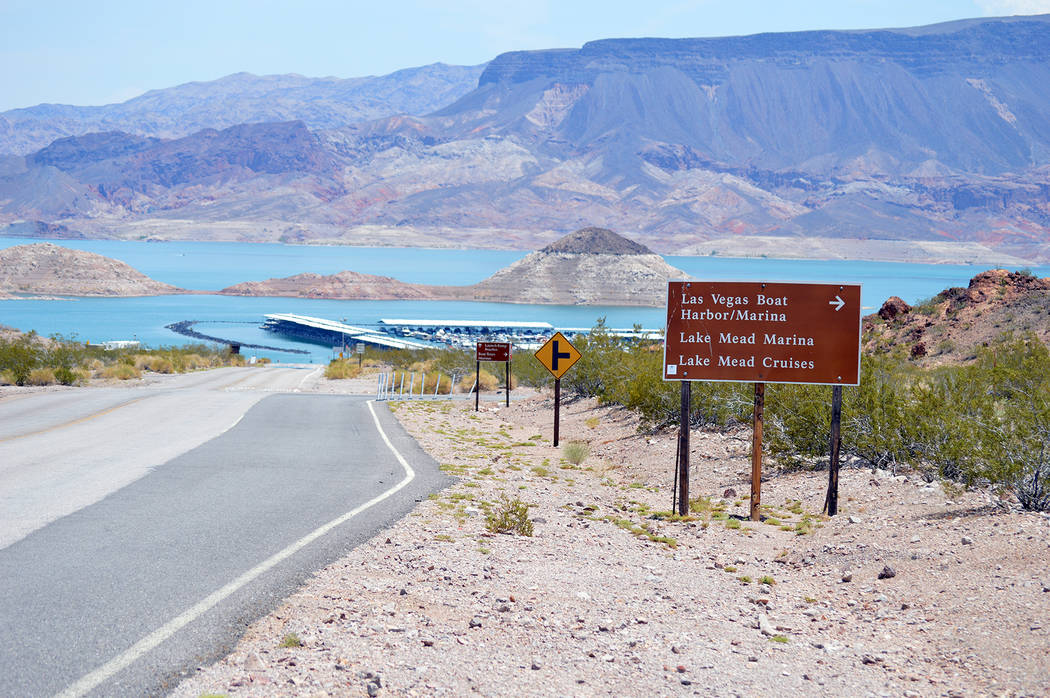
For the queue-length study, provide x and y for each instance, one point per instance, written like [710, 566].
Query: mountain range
[887, 143]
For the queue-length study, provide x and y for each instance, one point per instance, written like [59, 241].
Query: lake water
[215, 265]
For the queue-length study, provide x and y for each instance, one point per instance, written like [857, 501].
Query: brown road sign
[558, 355]
[763, 332]
[493, 351]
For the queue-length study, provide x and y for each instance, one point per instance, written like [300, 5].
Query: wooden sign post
[760, 333]
[491, 351]
[557, 356]
[831, 500]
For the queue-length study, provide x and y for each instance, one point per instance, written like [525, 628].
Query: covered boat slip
[335, 333]
[399, 333]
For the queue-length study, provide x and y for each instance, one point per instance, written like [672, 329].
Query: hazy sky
[101, 51]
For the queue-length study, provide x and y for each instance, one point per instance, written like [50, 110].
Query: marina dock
[408, 333]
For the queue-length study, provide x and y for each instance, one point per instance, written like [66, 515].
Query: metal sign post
[683, 451]
[491, 351]
[760, 333]
[557, 356]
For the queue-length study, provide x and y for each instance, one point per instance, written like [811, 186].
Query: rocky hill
[903, 140]
[953, 324]
[592, 266]
[243, 98]
[43, 268]
[345, 285]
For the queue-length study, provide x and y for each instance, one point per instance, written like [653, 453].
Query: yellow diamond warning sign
[558, 355]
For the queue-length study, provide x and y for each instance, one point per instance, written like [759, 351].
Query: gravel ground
[604, 599]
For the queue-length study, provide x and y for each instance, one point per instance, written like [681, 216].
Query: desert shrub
[67, 376]
[160, 364]
[527, 370]
[441, 382]
[121, 371]
[988, 422]
[422, 381]
[19, 356]
[510, 516]
[41, 376]
[231, 359]
[875, 417]
[576, 451]
[488, 382]
[68, 352]
[1016, 433]
[339, 369]
[797, 423]
[592, 374]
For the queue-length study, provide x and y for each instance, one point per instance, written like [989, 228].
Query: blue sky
[102, 51]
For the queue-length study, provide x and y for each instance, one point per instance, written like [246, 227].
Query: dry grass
[157, 364]
[41, 376]
[340, 369]
[121, 372]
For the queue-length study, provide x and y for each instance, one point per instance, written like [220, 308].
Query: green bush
[19, 356]
[66, 376]
[988, 422]
[576, 452]
[511, 516]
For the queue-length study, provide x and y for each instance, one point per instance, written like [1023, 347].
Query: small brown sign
[493, 351]
[558, 355]
[763, 332]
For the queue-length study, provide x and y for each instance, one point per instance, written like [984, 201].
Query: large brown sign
[493, 351]
[763, 332]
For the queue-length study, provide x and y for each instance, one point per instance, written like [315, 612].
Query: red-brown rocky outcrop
[952, 325]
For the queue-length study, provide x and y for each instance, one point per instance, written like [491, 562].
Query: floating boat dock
[333, 333]
[407, 333]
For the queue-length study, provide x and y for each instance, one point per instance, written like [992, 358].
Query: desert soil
[603, 599]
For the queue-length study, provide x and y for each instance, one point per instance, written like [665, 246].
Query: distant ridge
[902, 140]
[172, 112]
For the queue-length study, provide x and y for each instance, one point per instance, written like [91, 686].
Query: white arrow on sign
[838, 303]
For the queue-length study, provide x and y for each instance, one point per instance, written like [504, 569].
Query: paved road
[150, 526]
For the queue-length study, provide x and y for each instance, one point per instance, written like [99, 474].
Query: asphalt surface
[163, 571]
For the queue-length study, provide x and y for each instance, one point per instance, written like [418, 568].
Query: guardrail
[389, 387]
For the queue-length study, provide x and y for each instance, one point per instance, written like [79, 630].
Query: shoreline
[781, 248]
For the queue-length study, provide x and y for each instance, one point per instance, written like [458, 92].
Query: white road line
[311, 375]
[235, 423]
[92, 680]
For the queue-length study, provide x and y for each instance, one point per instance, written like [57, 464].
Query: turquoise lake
[215, 265]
